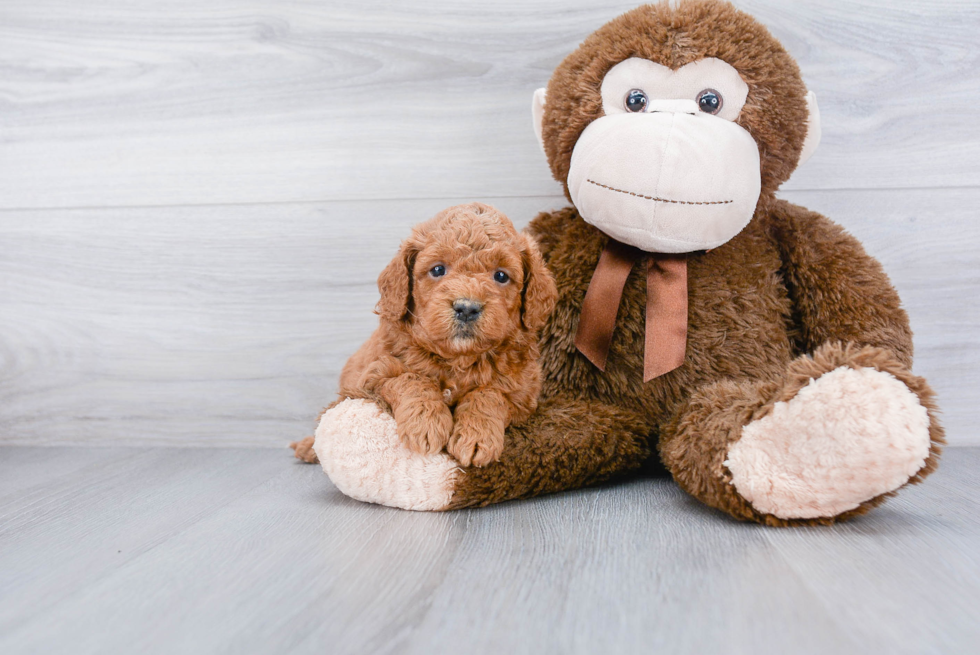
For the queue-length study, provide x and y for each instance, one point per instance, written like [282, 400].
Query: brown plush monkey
[749, 343]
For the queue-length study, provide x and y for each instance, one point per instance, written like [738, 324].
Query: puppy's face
[465, 281]
[467, 296]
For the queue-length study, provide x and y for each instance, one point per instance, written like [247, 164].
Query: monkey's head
[669, 124]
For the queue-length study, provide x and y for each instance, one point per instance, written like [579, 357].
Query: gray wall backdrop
[196, 197]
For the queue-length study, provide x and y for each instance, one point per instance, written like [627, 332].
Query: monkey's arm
[566, 444]
[839, 292]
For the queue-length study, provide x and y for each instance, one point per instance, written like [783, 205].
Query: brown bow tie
[666, 316]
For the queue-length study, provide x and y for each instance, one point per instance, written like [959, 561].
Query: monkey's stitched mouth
[656, 199]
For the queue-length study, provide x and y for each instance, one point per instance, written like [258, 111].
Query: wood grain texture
[115, 506]
[197, 325]
[180, 550]
[222, 272]
[112, 103]
[214, 326]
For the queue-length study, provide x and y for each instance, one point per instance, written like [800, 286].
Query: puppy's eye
[437, 271]
[501, 277]
[710, 101]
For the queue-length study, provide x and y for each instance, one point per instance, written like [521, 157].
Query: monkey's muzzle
[666, 181]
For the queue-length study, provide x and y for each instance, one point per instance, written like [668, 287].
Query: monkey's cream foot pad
[359, 449]
[845, 438]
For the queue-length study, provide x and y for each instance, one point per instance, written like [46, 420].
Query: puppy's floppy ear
[395, 283]
[539, 294]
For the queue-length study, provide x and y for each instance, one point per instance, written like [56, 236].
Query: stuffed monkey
[750, 345]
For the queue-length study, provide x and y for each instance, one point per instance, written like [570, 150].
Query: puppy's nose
[467, 310]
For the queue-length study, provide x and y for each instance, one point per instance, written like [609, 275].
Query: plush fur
[823, 472]
[451, 382]
[790, 298]
[791, 302]
[675, 36]
[359, 448]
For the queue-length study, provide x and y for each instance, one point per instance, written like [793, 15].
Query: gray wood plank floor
[113, 550]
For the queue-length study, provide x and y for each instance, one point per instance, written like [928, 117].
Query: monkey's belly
[739, 327]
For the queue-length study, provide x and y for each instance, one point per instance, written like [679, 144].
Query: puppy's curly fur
[455, 357]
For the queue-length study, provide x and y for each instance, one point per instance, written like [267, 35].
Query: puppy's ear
[539, 294]
[395, 284]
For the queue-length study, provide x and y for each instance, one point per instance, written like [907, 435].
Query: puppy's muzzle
[467, 311]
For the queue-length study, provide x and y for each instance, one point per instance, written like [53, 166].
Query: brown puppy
[455, 357]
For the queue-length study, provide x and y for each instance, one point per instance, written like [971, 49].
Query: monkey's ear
[537, 113]
[539, 294]
[395, 284]
[812, 128]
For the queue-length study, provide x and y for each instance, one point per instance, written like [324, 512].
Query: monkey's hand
[359, 448]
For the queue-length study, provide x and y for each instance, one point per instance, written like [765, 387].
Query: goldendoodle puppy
[455, 357]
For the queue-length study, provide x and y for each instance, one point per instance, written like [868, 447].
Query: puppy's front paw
[476, 443]
[424, 426]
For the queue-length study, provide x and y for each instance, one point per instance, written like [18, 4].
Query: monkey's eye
[710, 101]
[437, 271]
[501, 277]
[636, 101]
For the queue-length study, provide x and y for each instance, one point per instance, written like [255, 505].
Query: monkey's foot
[359, 449]
[850, 435]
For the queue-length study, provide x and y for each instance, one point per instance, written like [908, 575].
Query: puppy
[455, 356]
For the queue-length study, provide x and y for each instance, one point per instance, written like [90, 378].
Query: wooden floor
[175, 550]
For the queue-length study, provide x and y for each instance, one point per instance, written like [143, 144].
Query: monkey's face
[668, 124]
[667, 169]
